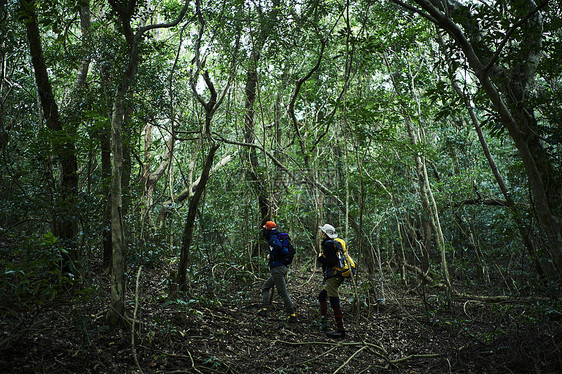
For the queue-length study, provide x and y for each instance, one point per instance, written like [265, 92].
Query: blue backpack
[288, 251]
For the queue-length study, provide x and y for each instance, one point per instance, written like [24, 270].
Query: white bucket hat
[329, 230]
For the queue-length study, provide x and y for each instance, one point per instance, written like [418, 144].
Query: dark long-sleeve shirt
[328, 258]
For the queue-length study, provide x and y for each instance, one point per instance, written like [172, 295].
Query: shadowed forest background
[144, 144]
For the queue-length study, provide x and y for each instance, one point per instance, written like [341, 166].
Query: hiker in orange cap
[278, 271]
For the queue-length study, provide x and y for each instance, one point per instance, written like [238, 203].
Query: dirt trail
[213, 328]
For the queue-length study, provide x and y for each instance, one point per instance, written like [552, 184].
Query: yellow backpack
[346, 266]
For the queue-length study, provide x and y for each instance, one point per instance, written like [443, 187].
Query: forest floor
[213, 328]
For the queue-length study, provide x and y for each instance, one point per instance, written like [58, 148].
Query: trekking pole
[356, 294]
[357, 301]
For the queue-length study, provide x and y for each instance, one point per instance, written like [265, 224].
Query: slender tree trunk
[426, 208]
[151, 178]
[439, 231]
[117, 304]
[126, 138]
[507, 90]
[105, 146]
[106, 187]
[191, 215]
[118, 242]
[82, 74]
[527, 242]
[210, 107]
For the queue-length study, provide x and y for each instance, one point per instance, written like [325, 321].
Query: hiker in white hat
[329, 259]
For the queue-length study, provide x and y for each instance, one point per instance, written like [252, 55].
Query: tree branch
[510, 32]
[298, 86]
[178, 19]
[415, 10]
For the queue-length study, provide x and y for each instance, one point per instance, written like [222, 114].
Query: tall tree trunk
[117, 302]
[251, 159]
[65, 225]
[250, 156]
[118, 242]
[82, 73]
[106, 188]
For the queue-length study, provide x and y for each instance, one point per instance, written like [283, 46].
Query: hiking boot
[338, 334]
[292, 318]
[263, 312]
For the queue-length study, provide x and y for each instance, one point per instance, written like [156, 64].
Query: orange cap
[269, 225]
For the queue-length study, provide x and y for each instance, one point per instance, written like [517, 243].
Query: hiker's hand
[267, 257]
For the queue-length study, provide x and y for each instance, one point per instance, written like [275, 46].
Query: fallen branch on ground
[465, 296]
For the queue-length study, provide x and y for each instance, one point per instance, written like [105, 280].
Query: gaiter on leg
[323, 308]
[338, 315]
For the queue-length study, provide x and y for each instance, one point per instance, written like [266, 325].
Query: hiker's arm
[328, 256]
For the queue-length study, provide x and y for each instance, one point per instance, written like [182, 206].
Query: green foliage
[36, 276]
